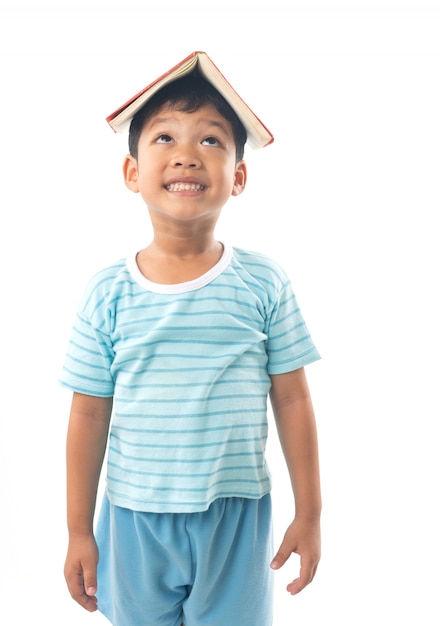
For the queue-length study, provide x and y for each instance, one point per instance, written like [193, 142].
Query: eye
[211, 141]
[164, 139]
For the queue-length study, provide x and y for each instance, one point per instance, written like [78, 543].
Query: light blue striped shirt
[189, 368]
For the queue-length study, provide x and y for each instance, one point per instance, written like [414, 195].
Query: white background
[347, 199]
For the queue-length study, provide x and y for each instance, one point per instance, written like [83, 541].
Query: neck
[176, 261]
[181, 247]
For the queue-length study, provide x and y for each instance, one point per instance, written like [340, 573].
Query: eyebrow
[165, 120]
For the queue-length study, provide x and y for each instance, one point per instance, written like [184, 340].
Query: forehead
[178, 113]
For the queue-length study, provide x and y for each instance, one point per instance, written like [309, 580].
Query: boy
[182, 344]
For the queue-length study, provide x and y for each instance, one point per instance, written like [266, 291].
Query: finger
[306, 575]
[84, 595]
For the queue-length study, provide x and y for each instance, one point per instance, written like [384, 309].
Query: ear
[130, 171]
[240, 178]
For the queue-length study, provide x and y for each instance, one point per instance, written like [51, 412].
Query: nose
[186, 159]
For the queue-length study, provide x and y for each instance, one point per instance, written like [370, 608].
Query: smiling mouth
[185, 187]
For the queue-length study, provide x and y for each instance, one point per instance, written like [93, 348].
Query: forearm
[295, 419]
[299, 443]
[86, 445]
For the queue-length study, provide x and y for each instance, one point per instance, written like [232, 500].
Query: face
[186, 167]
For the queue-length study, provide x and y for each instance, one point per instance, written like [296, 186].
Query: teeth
[185, 187]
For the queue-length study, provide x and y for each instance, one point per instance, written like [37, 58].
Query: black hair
[187, 94]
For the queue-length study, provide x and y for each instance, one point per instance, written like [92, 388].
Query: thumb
[90, 584]
[281, 556]
[90, 589]
[90, 564]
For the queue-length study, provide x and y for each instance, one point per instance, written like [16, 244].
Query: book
[258, 134]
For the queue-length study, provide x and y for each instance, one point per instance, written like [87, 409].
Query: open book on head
[258, 135]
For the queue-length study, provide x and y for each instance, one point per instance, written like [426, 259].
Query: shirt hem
[181, 507]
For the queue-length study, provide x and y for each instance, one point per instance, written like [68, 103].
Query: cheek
[148, 175]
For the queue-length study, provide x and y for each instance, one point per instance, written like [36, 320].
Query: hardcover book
[258, 134]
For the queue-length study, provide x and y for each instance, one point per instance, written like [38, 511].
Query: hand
[302, 538]
[80, 571]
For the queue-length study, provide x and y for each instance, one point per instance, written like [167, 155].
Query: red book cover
[258, 133]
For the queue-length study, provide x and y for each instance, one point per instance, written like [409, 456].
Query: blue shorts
[168, 569]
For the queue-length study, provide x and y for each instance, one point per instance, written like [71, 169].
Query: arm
[294, 416]
[86, 445]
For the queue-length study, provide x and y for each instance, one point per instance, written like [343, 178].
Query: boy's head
[187, 94]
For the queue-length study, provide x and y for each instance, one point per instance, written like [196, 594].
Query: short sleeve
[89, 358]
[289, 344]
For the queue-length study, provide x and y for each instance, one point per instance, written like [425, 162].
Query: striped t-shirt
[188, 366]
